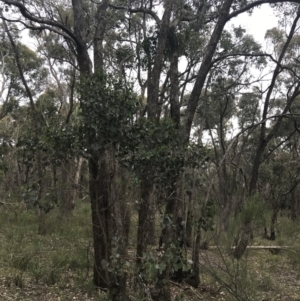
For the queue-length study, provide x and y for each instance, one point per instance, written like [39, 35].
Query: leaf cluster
[107, 111]
[158, 148]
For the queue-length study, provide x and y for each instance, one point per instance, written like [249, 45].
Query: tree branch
[138, 10]
[26, 14]
[19, 66]
[257, 3]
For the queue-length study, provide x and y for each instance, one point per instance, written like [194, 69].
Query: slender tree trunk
[78, 176]
[66, 205]
[205, 67]
[189, 220]
[272, 226]
[42, 229]
[118, 291]
[194, 280]
[172, 239]
[144, 220]
[244, 239]
[265, 139]
[101, 164]
[54, 185]
[293, 205]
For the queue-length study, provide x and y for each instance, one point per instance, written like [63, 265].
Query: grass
[58, 265]
[260, 274]
[61, 259]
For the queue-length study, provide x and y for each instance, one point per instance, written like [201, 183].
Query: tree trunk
[36, 133]
[144, 221]
[66, 204]
[54, 183]
[205, 67]
[243, 241]
[76, 184]
[122, 214]
[293, 205]
[100, 185]
[272, 226]
[171, 242]
[194, 279]
[189, 220]
[42, 222]
[146, 209]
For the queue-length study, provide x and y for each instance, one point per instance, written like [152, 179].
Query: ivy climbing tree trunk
[147, 179]
[101, 163]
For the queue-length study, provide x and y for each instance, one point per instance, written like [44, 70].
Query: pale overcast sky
[258, 23]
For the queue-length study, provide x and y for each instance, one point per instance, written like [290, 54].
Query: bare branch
[49, 24]
[138, 10]
[257, 3]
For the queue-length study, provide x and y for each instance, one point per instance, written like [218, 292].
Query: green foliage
[254, 210]
[207, 217]
[248, 112]
[56, 141]
[124, 54]
[156, 144]
[9, 106]
[158, 148]
[51, 45]
[107, 109]
[32, 66]
[156, 262]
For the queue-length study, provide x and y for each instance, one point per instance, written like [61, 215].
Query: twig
[195, 293]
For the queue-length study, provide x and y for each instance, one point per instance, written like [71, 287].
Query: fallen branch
[257, 247]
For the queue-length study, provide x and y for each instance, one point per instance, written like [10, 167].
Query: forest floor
[58, 265]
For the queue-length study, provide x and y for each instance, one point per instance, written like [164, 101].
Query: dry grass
[58, 265]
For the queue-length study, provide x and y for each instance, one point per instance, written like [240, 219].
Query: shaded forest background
[182, 133]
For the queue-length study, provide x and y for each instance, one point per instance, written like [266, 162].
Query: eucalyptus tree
[283, 84]
[280, 163]
[62, 65]
[227, 79]
[12, 90]
[32, 75]
[279, 179]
